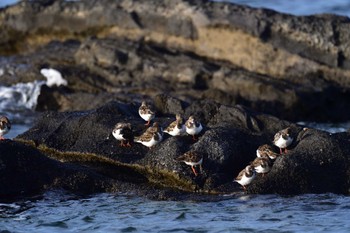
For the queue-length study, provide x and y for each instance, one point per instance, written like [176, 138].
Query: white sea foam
[53, 77]
[20, 95]
[19, 101]
[328, 127]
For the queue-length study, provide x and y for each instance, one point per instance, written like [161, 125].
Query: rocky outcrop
[296, 68]
[316, 162]
[191, 57]
[26, 171]
[319, 163]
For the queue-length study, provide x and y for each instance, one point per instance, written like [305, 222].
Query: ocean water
[58, 211]
[295, 7]
[4, 3]
[300, 7]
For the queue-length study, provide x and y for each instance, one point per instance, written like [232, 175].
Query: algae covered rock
[26, 171]
[228, 143]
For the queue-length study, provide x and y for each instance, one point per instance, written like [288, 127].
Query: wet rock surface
[26, 171]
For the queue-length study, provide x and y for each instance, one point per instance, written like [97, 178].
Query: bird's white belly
[194, 163]
[147, 117]
[260, 169]
[194, 130]
[152, 142]
[282, 143]
[176, 131]
[258, 154]
[117, 135]
[4, 131]
[245, 180]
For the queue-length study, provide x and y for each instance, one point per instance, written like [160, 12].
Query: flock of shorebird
[154, 134]
[265, 158]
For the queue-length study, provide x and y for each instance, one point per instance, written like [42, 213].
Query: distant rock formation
[296, 68]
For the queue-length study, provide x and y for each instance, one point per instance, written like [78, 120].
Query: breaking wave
[19, 101]
[20, 96]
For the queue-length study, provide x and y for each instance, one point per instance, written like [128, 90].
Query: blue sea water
[57, 211]
[60, 212]
[4, 3]
[300, 7]
[295, 7]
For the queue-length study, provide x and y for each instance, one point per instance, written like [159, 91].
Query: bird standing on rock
[192, 158]
[282, 139]
[5, 126]
[266, 151]
[176, 127]
[151, 137]
[146, 112]
[246, 176]
[193, 127]
[262, 165]
[123, 133]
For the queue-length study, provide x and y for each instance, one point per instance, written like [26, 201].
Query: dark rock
[26, 171]
[317, 164]
[292, 67]
[169, 105]
[169, 52]
[228, 144]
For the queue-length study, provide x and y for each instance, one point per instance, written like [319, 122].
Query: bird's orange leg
[194, 171]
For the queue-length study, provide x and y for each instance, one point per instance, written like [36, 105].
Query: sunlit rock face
[292, 67]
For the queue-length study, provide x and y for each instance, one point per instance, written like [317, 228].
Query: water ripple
[61, 212]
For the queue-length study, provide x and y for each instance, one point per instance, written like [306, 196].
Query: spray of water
[20, 96]
[19, 101]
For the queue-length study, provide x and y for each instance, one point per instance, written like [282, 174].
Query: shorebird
[146, 112]
[262, 165]
[282, 139]
[176, 127]
[5, 126]
[266, 151]
[246, 176]
[193, 127]
[192, 158]
[155, 128]
[151, 137]
[123, 133]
